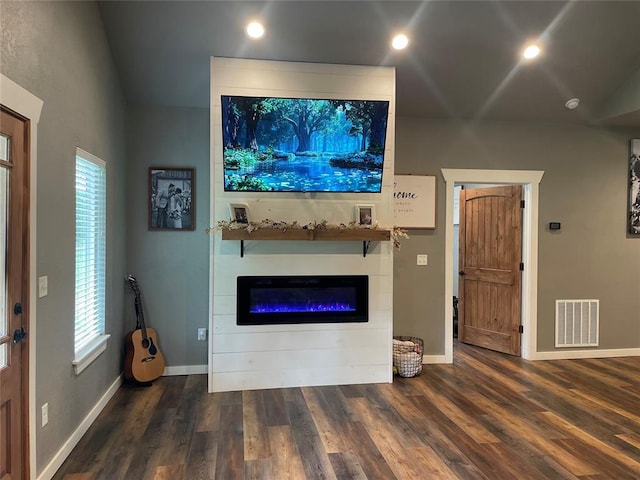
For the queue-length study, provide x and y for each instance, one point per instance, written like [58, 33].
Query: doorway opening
[530, 181]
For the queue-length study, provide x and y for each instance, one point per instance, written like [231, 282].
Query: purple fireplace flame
[297, 300]
[302, 299]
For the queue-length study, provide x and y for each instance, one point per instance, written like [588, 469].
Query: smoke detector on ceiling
[572, 103]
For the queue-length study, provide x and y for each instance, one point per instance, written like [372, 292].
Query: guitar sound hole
[145, 343]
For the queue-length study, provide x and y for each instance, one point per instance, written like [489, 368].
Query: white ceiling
[463, 60]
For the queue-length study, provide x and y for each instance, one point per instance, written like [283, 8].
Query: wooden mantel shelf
[364, 235]
[359, 234]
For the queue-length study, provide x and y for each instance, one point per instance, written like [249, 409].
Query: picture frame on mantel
[171, 199]
[366, 215]
[240, 213]
[634, 188]
[414, 201]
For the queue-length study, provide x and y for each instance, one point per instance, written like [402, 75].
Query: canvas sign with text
[414, 201]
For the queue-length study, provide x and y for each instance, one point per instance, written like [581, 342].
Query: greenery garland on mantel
[395, 232]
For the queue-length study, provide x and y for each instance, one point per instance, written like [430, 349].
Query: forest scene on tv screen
[303, 145]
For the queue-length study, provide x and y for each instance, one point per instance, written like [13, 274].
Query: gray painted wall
[584, 187]
[58, 52]
[172, 267]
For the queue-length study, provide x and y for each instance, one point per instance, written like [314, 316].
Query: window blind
[91, 195]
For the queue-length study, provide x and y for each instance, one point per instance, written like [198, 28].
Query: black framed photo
[634, 188]
[171, 198]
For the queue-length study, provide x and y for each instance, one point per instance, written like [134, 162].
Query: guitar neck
[140, 314]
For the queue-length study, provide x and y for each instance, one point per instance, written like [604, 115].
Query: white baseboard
[578, 354]
[427, 359]
[558, 355]
[62, 454]
[185, 370]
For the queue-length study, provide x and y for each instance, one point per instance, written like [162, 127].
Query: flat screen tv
[303, 145]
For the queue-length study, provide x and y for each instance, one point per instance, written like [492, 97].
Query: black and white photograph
[634, 188]
[365, 214]
[239, 212]
[171, 198]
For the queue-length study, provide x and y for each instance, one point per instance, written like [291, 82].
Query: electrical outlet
[45, 414]
[43, 286]
[202, 334]
[422, 260]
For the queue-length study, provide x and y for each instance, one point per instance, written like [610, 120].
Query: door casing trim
[530, 180]
[23, 102]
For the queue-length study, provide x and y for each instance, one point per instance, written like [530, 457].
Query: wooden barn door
[490, 278]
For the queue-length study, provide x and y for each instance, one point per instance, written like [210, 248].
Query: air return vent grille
[577, 323]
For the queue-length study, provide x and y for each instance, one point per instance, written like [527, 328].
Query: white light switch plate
[43, 286]
[202, 334]
[422, 260]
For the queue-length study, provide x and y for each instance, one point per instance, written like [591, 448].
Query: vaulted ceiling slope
[463, 60]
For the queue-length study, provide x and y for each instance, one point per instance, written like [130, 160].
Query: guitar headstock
[133, 283]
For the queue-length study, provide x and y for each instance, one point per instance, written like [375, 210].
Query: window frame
[86, 352]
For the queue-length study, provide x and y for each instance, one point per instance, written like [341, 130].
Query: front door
[14, 194]
[489, 278]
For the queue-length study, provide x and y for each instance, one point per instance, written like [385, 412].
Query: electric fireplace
[302, 299]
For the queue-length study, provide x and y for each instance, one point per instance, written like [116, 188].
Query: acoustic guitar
[143, 361]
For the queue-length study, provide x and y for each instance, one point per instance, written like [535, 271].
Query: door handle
[461, 272]
[19, 335]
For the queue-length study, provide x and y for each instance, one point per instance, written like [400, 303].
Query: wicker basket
[407, 355]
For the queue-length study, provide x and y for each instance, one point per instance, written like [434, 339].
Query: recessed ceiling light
[400, 41]
[532, 51]
[572, 103]
[255, 29]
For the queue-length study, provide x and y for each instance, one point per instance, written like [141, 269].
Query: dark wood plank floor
[487, 416]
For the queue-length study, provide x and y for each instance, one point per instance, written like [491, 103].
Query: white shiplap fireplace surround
[244, 357]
